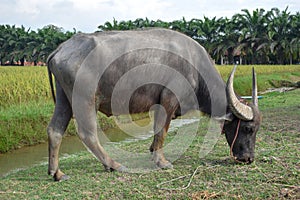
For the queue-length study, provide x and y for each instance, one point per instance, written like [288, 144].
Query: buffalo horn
[239, 109]
[254, 88]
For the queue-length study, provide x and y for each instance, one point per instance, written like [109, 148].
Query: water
[33, 155]
[30, 156]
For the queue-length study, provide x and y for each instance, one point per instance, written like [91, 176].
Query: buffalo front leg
[56, 128]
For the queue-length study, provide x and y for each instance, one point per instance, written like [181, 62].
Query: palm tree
[15, 43]
[47, 40]
[4, 34]
[22, 45]
[257, 37]
[283, 35]
[129, 25]
[208, 33]
[295, 36]
[253, 31]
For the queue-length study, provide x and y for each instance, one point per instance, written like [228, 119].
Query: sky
[87, 15]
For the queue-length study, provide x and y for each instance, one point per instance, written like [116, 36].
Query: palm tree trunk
[222, 60]
[12, 61]
[22, 60]
[291, 59]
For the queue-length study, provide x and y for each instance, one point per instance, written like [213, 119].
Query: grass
[20, 125]
[25, 124]
[268, 76]
[274, 174]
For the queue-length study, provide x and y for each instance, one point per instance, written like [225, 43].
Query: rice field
[23, 84]
[20, 85]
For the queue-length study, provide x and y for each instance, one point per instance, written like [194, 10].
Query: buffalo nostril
[245, 159]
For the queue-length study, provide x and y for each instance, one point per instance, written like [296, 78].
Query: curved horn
[254, 88]
[239, 109]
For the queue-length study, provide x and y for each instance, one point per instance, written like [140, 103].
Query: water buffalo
[123, 72]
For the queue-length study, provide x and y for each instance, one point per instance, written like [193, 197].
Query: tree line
[19, 45]
[249, 37]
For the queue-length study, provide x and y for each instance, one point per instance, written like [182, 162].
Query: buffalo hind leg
[162, 119]
[56, 128]
[87, 131]
[157, 149]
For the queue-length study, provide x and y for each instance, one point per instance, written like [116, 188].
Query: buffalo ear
[227, 117]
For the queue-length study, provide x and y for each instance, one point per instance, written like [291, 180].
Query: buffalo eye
[248, 129]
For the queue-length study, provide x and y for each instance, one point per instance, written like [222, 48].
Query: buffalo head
[242, 123]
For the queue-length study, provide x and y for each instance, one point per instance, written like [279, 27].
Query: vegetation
[273, 175]
[26, 104]
[19, 45]
[20, 85]
[258, 37]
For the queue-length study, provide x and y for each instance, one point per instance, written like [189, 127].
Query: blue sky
[87, 15]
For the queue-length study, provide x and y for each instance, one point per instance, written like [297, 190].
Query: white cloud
[89, 5]
[86, 15]
[132, 9]
[27, 7]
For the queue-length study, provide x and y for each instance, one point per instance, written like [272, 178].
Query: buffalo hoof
[122, 169]
[164, 165]
[61, 178]
[108, 169]
[119, 169]
[58, 175]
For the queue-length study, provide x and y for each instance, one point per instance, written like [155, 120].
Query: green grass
[22, 125]
[268, 76]
[275, 174]
[25, 124]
